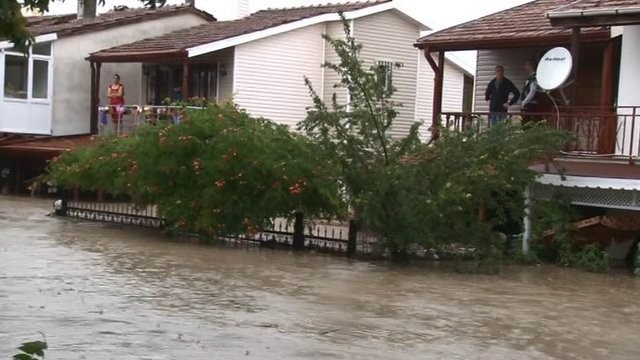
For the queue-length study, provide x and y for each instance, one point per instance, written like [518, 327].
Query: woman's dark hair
[116, 76]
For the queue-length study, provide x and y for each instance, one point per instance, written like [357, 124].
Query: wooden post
[607, 74]
[607, 136]
[352, 240]
[93, 114]
[575, 54]
[437, 97]
[185, 80]
[298, 232]
[438, 70]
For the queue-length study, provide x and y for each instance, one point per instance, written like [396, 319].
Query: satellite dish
[554, 68]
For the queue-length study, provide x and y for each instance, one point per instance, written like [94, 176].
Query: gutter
[589, 13]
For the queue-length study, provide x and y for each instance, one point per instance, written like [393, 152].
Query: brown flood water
[104, 292]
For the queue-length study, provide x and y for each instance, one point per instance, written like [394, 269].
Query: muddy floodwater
[107, 292]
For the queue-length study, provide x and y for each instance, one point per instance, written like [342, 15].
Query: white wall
[335, 30]
[72, 84]
[269, 74]
[452, 92]
[513, 62]
[629, 86]
[387, 36]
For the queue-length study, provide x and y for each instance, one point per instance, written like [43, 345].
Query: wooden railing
[598, 130]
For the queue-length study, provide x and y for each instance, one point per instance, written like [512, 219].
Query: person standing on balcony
[115, 93]
[501, 93]
[531, 94]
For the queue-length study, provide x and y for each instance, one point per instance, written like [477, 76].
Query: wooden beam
[93, 114]
[606, 96]
[185, 80]
[594, 21]
[437, 97]
[499, 42]
[575, 54]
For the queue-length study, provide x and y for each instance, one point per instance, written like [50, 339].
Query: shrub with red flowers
[219, 172]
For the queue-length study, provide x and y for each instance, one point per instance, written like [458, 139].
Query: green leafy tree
[13, 25]
[33, 350]
[410, 193]
[219, 172]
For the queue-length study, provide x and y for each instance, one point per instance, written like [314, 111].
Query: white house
[260, 61]
[48, 92]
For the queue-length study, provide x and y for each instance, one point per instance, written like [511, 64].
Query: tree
[13, 25]
[409, 193]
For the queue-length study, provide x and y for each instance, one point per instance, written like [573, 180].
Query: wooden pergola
[528, 27]
[97, 59]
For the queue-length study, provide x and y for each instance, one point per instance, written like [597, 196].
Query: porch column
[438, 70]
[93, 114]
[185, 80]
[575, 52]
[607, 74]
[528, 221]
[607, 137]
[95, 96]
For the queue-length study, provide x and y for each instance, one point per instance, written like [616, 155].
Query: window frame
[388, 74]
[30, 74]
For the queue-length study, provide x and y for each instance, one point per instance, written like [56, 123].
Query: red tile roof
[177, 42]
[522, 25]
[65, 25]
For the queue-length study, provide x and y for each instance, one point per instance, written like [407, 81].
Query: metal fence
[298, 233]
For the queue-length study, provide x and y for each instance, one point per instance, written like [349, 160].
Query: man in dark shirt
[497, 94]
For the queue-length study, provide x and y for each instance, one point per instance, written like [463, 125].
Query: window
[40, 79]
[27, 77]
[204, 82]
[16, 76]
[385, 73]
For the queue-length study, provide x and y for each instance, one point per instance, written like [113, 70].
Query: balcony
[599, 131]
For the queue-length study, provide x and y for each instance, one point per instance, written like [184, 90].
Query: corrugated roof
[66, 25]
[522, 25]
[177, 42]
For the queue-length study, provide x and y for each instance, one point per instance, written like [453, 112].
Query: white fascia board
[38, 39]
[246, 38]
[589, 182]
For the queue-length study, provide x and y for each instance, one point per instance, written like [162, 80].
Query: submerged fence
[297, 234]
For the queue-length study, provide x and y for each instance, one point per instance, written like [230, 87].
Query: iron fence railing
[335, 237]
[598, 130]
[125, 117]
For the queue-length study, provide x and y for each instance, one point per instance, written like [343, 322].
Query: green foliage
[592, 258]
[219, 172]
[410, 193]
[31, 351]
[13, 25]
[555, 215]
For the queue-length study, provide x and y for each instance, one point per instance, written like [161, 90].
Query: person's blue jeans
[496, 117]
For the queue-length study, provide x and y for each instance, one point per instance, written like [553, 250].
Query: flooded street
[105, 292]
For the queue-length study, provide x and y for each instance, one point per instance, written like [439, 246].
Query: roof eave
[501, 43]
[594, 20]
[139, 57]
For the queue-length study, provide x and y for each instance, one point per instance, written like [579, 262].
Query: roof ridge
[325, 5]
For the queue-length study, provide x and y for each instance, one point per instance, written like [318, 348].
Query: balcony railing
[131, 116]
[599, 131]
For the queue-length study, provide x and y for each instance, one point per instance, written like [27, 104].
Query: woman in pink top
[115, 93]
